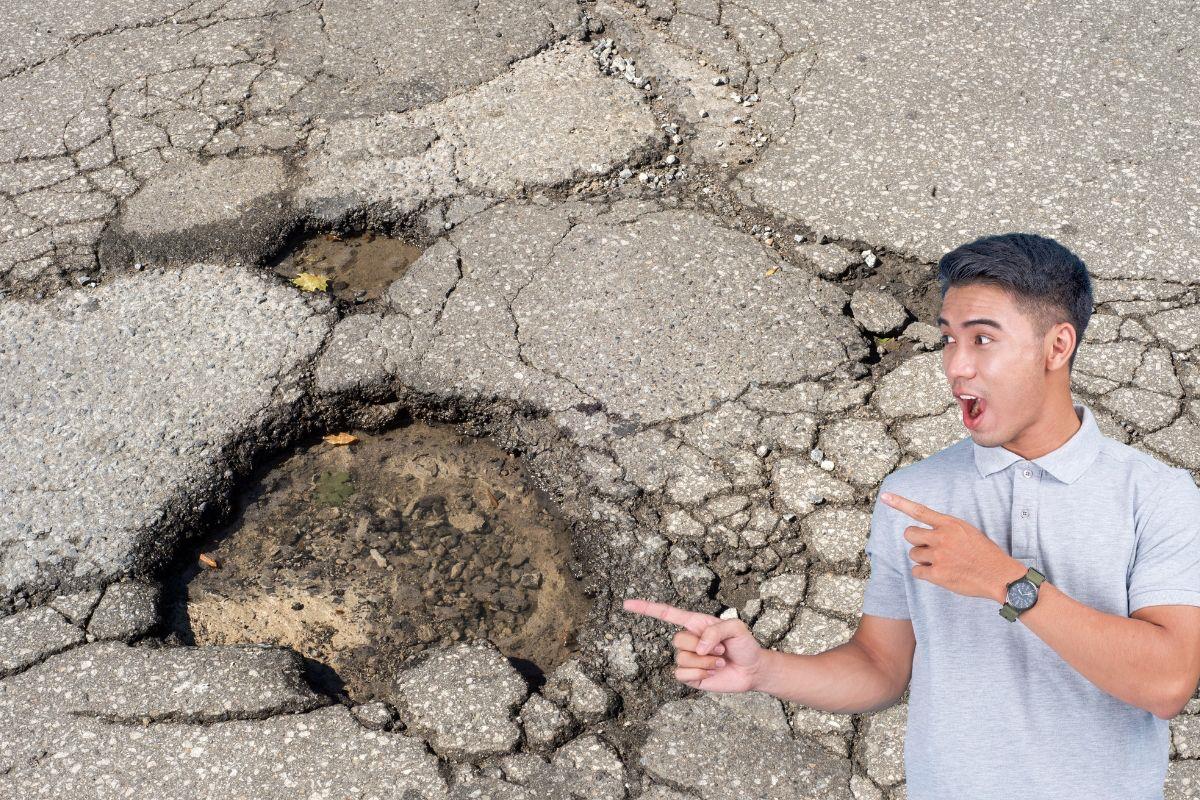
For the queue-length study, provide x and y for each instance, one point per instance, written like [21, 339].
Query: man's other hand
[713, 654]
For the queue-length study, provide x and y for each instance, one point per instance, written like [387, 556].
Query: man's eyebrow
[977, 321]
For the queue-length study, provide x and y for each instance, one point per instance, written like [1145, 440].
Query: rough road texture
[677, 253]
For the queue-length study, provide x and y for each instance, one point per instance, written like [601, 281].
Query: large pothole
[362, 556]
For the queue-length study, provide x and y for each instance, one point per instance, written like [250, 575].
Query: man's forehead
[980, 305]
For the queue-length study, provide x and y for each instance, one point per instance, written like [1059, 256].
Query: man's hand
[717, 655]
[954, 554]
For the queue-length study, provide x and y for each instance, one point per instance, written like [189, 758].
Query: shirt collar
[1066, 463]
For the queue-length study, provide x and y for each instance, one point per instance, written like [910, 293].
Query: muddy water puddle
[359, 267]
[362, 556]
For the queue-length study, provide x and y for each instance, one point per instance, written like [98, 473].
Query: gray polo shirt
[993, 711]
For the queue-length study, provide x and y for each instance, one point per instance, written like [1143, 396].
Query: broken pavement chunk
[462, 700]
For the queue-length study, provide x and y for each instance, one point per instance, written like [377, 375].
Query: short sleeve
[885, 595]
[1166, 566]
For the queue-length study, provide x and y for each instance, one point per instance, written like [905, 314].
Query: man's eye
[984, 336]
[945, 338]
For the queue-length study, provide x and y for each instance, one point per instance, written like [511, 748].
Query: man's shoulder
[1146, 470]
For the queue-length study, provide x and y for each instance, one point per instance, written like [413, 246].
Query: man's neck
[1050, 432]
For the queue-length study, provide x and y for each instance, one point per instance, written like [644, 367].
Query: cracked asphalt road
[678, 254]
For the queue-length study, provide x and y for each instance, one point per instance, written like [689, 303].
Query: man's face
[1002, 361]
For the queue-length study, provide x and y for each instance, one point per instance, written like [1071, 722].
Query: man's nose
[957, 362]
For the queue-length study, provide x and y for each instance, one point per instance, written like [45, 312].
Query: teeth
[968, 397]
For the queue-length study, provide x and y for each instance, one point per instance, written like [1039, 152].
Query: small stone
[826, 464]
[671, 159]
[128, 609]
[691, 579]
[374, 716]
[621, 658]
[546, 725]
[587, 699]
[786, 590]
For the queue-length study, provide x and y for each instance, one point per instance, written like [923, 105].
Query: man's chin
[984, 440]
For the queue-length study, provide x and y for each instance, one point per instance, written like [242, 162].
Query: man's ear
[1060, 342]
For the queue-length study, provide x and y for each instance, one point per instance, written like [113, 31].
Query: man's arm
[1150, 660]
[867, 673]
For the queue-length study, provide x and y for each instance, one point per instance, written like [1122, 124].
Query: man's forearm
[841, 680]
[1125, 657]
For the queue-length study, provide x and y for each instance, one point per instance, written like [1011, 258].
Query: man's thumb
[718, 632]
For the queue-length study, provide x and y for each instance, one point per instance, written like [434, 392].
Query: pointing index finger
[692, 620]
[911, 508]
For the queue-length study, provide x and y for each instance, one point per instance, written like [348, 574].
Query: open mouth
[972, 409]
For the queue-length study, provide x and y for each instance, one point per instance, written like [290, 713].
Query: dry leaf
[208, 561]
[340, 438]
[310, 282]
[772, 271]
[332, 237]
[491, 497]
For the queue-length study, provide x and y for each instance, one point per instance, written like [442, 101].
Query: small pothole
[359, 267]
[362, 556]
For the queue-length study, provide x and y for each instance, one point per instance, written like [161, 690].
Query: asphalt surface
[679, 255]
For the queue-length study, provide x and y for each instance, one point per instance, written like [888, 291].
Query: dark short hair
[1046, 280]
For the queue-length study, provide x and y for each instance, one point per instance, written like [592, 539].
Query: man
[1037, 581]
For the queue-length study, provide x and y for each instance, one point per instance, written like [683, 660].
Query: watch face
[1022, 594]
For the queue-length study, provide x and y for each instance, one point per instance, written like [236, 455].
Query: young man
[1037, 581]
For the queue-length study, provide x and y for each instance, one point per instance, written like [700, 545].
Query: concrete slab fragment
[120, 381]
[887, 145]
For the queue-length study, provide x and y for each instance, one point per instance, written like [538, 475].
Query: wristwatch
[1022, 594]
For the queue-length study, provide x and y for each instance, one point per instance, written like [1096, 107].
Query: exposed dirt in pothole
[362, 556]
[359, 267]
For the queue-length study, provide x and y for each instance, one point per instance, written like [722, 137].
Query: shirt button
[1024, 512]
[1027, 472]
